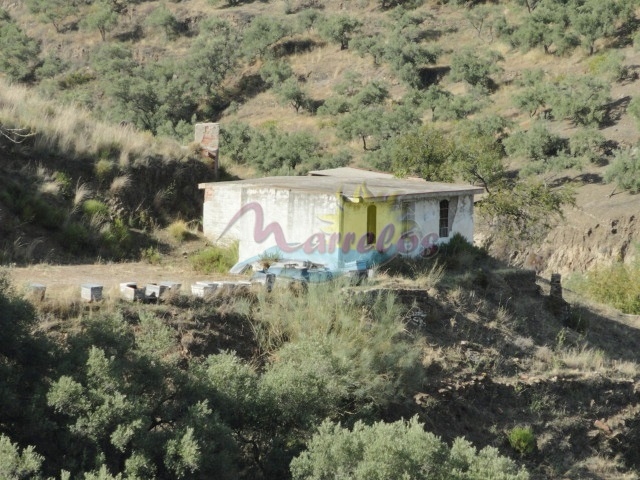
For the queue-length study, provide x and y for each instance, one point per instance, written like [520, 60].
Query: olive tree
[102, 16]
[340, 29]
[19, 52]
[475, 68]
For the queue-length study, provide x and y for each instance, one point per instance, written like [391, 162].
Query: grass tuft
[215, 259]
[179, 231]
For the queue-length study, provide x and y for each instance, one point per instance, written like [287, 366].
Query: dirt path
[66, 279]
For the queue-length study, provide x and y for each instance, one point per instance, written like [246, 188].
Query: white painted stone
[91, 292]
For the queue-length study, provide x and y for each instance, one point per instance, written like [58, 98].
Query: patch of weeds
[459, 253]
[268, 259]
[215, 259]
[179, 231]
[151, 255]
[104, 170]
[617, 285]
[75, 237]
[117, 239]
[522, 440]
[95, 207]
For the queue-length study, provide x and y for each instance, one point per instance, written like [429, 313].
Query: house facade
[339, 219]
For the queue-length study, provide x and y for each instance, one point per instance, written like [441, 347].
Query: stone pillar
[556, 287]
[207, 135]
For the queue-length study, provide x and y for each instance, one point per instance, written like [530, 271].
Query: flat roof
[355, 189]
[349, 172]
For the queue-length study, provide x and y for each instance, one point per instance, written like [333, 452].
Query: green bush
[117, 240]
[634, 109]
[537, 143]
[587, 143]
[610, 66]
[624, 170]
[581, 99]
[396, 450]
[75, 79]
[94, 207]
[42, 212]
[365, 341]
[617, 285]
[75, 237]
[19, 53]
[522, 440]
[179, 231]
[215, 259]
[161, 17]
[475, 68]
[151, 255]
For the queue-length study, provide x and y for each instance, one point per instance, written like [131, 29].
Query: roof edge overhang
[413, 196]
[454, 192]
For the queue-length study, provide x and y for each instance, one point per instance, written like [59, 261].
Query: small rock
[600, 424]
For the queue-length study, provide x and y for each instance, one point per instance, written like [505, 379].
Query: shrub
[179, 231]
[365, 340]
[609, 65]
[94, 207]
[104, 170]
[522, 440]
[161, 17]
[617, 285]
[75, 237]
[216, 258]
[587, 143]
[396, 450]
[41, 211]
[624, 170]
[634, 109]
[537, 143]
[474, 68]
[117, 239]
[581, 99]
[151, 255]
[19, 53]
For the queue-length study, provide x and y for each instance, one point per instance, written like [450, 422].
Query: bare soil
[64, 280]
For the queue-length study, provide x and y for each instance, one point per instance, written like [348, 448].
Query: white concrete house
[336, 217]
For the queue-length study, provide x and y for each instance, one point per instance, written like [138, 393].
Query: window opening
[444, 218]
[371, 224]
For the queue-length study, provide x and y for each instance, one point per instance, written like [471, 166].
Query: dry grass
[580, 360]
[600, 466]
[180, 231]
[73, 130]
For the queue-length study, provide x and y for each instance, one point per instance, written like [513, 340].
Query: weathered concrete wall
[463, 219]
[298, 215]
[427, 216]
[313, 221]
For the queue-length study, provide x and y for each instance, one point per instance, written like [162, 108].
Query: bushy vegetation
[130, 396]
[119, 393]
[216, 258]
[624, 170]
[522, 440]
[617, 285]
[401, 449]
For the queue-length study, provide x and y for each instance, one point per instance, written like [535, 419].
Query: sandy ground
[64, 279]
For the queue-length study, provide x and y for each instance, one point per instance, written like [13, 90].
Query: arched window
[371, 224]
[444, 218]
